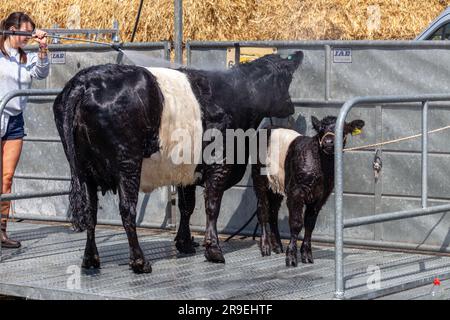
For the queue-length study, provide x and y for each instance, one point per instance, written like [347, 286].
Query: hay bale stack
[242, 19]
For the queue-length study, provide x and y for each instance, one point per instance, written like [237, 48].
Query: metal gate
[424, 210]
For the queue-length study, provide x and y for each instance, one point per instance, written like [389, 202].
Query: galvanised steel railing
[340, 223]
[28, 195]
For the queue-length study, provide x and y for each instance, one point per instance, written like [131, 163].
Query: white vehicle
[439, 29]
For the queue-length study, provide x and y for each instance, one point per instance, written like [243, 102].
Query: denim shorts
[15, 128]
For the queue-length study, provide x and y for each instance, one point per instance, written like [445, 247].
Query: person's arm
[40, 63]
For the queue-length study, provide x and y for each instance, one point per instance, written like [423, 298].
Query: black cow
[120, 127]
[302, 169]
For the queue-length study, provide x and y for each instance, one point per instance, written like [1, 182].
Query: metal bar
[397, 99]
[41, 177]
[188, 54]
[378, 184]
[179, 31]
[41, 139]
[99, 222]
[41, 100]
[353, 242]
[30, 195]
[327, 72]
[321, 102]
[54, 40]
[115, 34]
[319, 44]
[167, 51]
[339, 195]
[425, 155]
[83, 47]
[53, 35]
[395, 216]
[237, 54]
[317, 102]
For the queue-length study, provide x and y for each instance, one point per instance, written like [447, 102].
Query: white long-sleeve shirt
[14, 76]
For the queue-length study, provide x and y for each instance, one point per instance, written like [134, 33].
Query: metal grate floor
[48, 262]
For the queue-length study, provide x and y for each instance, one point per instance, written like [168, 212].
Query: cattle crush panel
[320, 88]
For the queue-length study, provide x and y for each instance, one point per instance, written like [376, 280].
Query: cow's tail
[65, 109]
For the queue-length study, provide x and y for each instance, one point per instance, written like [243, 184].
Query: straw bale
[241, 19]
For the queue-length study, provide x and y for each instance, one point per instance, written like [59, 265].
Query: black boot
[7, 242]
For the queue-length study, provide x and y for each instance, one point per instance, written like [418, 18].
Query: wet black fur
[309, 181]
[109, 116]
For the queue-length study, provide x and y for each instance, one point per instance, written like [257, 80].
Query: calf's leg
[263, 219]
[263, 205]
[296, 218]
[275, 201]
[310, 222]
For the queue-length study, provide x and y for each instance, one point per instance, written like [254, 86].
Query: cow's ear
[354, 127]
[316, 123]
[294, 60]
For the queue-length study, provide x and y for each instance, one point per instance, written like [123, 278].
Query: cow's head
[270, 77]
[326, 128]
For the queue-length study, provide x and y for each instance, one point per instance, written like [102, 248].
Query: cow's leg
[296, 218]
[275, 201]
[213, 199]
[128, 195]
[186, 205]
[91, 258]
[311, 215]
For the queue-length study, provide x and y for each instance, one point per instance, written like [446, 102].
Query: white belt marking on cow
[279, 142]
[181, 119]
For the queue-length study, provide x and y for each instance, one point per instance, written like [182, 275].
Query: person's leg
[11, 150]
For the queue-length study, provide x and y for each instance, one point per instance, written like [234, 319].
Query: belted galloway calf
[302, 169]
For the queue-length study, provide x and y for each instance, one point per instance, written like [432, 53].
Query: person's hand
[41, 37]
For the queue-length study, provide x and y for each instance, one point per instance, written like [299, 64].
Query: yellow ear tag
[356, 131]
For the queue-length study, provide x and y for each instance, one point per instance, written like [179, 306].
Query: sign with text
[342, 55]
[58, 57]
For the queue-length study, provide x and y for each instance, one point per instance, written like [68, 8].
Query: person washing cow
[17, 71]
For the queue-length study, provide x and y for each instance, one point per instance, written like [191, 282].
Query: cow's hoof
[265, 249]
[185, 246]
[92, 261]
[291, 258]
[140, 266]
[307, 258]
[277, 246]
[277, 249]
[194, 243]
[306, 254]
[214, 254]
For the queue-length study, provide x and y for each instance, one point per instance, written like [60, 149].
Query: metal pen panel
[339, 220]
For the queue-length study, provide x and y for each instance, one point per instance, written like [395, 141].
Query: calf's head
[326, 131]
